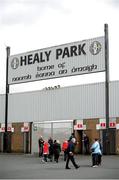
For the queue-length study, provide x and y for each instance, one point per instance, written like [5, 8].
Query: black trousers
[71, 157]
[99, 159]
[94, 159]
[86, 146]
[56, 157]
[40, 151]
[45, 157]
[65, 155]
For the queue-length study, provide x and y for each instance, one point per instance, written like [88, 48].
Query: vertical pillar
[6, 135]
[107, 87]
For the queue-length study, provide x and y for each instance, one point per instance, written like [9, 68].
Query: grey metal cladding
[2, 108]
[114, 99]
[76, 102]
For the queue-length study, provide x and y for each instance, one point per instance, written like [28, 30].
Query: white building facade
[52, 112]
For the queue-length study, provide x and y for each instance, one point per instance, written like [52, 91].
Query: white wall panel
[114, 99]
[83, 101]
[76, 102]
[2, 108]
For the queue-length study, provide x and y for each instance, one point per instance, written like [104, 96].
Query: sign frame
[71, 59]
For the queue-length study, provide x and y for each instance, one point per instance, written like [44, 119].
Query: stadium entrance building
[59, 112]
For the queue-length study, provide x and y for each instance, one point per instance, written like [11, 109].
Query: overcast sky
[27, 25]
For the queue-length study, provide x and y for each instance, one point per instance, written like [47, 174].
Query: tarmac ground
[27, 166]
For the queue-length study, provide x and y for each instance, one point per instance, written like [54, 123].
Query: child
[45, 151]
[64, 149]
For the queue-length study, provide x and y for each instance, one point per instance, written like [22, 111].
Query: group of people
[49, 149]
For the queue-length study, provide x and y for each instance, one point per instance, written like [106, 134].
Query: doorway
[27, 140]
[109, 141]
[79, 138]
[7, 142]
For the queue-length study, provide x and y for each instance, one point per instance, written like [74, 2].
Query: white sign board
[102, 123]
[79, 121]
[26, 124]
[9, 128]
[98, 126]
[79, 127]
[117, 126]
[8, 125]
[71, 59]
[25, 128]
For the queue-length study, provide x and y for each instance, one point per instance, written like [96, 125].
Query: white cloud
[114, 2]
[25, 12]
[33, 24]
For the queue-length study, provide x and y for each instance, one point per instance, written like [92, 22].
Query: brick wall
[91, 132]
[117, 137]
[17, 140]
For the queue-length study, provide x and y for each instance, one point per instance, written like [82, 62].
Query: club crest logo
[15, 63]
[95, 48]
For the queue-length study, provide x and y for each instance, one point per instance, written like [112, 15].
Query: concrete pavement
[31, 167]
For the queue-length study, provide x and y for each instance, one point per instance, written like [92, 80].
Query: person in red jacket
[45, 151]
[64, 149]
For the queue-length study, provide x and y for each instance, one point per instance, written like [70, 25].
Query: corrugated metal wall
[114, 99]
[2, 108]
[84, 101]
[76, 102]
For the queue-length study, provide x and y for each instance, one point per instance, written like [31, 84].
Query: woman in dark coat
[50, 141]
[57, 150]
[40, 143]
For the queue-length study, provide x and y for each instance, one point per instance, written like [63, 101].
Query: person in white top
[95, 149]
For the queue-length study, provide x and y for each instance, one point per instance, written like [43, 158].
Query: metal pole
[6, 102]
[107, 86]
